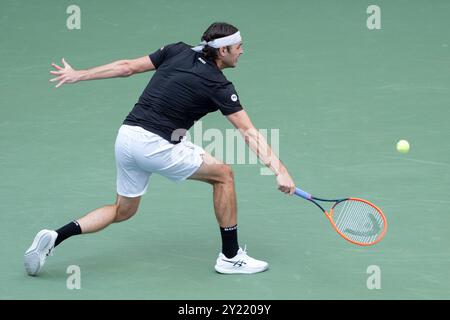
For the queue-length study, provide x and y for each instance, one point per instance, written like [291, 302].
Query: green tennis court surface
[340, 94]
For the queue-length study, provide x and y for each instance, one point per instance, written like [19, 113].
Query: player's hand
[64, 74]
[285, 183]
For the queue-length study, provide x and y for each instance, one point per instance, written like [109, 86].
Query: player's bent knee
[227, 174]
[126, 208]
[125, 213]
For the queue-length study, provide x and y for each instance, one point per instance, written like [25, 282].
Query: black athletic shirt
[184, 88]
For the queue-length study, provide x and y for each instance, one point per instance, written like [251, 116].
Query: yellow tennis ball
[403, 146]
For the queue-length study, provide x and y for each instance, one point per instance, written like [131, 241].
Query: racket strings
[358, 221]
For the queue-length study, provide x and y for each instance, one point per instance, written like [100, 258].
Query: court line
[419, 161]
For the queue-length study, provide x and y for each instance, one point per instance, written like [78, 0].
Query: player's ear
[222, 51]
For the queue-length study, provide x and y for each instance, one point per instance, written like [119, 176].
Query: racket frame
[309, 197]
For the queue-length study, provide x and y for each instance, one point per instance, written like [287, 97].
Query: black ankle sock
[230, 245]
[70, 229]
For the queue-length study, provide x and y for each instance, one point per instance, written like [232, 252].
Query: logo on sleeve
[234, 97]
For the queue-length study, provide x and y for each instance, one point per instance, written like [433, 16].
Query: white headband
[220, 42]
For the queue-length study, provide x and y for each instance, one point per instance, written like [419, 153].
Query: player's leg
[132, 183]
[98, 219]
[188, 161]
[232, 259]
[46, 240]
[221, 177]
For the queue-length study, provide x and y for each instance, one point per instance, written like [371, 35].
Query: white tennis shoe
[40, 249]
[241, 263]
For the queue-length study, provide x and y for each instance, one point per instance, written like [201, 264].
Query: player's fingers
[56, 79]
[61, 83]
[292, 190]
[56, 66]
[284, 189]
[56, 72]
[66, 65]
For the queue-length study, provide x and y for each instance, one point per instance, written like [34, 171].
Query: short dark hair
[214, 31]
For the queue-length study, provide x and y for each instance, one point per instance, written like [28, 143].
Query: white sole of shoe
[239, 271]
[32, 259]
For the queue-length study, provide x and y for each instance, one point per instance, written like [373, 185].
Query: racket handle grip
[302, 194]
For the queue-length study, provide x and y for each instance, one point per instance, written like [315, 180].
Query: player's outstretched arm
[120, 68]
[258, 144]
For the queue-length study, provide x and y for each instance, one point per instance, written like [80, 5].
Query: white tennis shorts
[139, 153]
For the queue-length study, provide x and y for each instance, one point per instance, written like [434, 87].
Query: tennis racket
[356, 220]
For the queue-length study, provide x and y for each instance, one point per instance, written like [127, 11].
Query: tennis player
[188, 84]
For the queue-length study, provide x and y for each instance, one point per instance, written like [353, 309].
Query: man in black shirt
[188, 84]
[185, 88]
